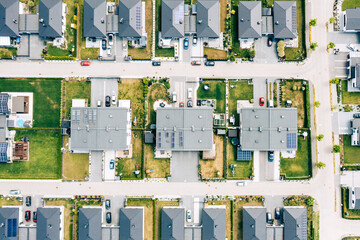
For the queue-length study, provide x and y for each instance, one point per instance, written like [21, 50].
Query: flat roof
[268, 129]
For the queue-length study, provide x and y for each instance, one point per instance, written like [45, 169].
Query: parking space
[116, 203]
[195, 204]
[35, 203]
[120, 46]
[36, 47]
[273, 202]
[259, 90]
[109, 165]
[184, 167]
[96, 163]
[27, 233]
[268, 171]
[264, 53]
[102, 87]
[181, 86]
[194, 51]
[109, 52]
[338, 65]
[110, 233]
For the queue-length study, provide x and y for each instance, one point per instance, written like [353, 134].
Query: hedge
[308, 105]
[59, 58]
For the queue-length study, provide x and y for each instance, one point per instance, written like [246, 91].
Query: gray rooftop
[208, 18]
[94, 22]
[354, 71]
[132, 223]
[213, 224]
[90, 223]
[285, 19]
[112, 23]
[295, 223]
[254, 223]
[95, 128]
[9, 223]
[172, 18]
[29, 23]
[172, 223]
[130, 14]
[9, 18]
[4, 103]
[50, 18]
[3, 128]
[184, 129]
[353, 19]
[268, 129]
[48, 224]
[249, 19]
[354, 198]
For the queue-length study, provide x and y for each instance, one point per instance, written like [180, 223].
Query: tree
[332, 20]
[331, 45]
[335, 81]
[317, 104]
[281, 49]
[320, 137]
[337, 149]
[320, 165]
[232, 12]
[313, 46]
[313, 22]
[310, 201]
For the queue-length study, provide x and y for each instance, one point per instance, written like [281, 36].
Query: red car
[35, 217]
[181, 104]
[85, 63]
[262, 101]
[195, 63]
[28, 216]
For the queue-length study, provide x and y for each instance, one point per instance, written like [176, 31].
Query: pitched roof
[132, 223]
[172, 223]
[354, 194]
[254, 223]
[90, 223]
[9, 17]
[48, 224]
[172, 19]
[130, 14]
[94, 22]
[353, 19]
[285, 19]
[50, 18]
[3, 128]
[295, 223]
[9, 223]
[213, 221]
[249, 19]
[208, 18]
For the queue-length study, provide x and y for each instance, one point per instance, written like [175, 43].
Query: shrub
[313, 22]
[59, 58]
[317, 104]
[320, 165]
[281, 49]
[335, 81]
[320, 137]
[337, 149]
[313, 46]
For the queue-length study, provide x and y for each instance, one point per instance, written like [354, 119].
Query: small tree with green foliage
[335, 81]
[320, 165]
[332, 20]
[337, 149]
[317, 104]
[281, 49]
[313, 46]
[310, 201]
[331, 45]
[313, 22]
[320, 137]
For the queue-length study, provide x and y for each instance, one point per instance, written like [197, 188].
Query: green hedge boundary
[59, 58]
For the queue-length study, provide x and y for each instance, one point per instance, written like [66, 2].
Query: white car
[14, 192]
[109, 51]
[113, 100]
[111, 39]
[188, 215]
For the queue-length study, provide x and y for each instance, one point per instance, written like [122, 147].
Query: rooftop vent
[258, 23]
[110, 141]
[15, 21]
[279, 129]
[250, 129]
[85, 141]
[282, 141]
[167, 116]
[41, 20]
[200, 21]
[110, 116]
[256, 141]
[241, 20]
[277, 23]
[260, 129]
[174, 129]
[200, 141]
[121, 20]
[282, 116]
[200, 116]
[256, 116]
[193, 128]
[203, 129]
[102, 20]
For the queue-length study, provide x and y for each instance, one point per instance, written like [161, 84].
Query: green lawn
[76, 90]
[160, 166]
[156, 91]
[7, 53]
[243, 169]
[71, 18]
[74, 165]
[160, 52]
[46, 98]
[349, 97]
[351, 153]
[216, 91]
[346, 212]
[350, 4]
[44, 156]
[215, 54]
[55, 51]
[238, 91]
[301, 165]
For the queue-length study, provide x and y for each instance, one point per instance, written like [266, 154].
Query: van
[189, 93]
[271, 103]
[174, 97]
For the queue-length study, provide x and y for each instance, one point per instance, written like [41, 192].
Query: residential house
[254, 223]
[172, 223]
[350, 20]
[172, 19]
[354, 198]
[48, 224]
[249, 20]
[285, 19]
[9, 223]
[213, 223]
[184, 129]
[132, 223]
[90, 220]
[295, 222]
[5, 144]
[208, 19]
[51, 19]
[94, 24]
[353, 71]
[355, 135]
[9, 12]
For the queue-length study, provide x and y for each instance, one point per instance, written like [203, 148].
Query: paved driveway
[184, 166]
[259, 90]
[263, 53]
[100, 88]
[96, 166]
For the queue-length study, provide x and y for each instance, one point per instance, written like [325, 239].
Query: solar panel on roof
[243, 155]
[172, 139]
[94, 115]
[12, 227]
[138, 18]
[4, 103]
[294, 24]
[181, 139]
[291, 140]
[3, 152]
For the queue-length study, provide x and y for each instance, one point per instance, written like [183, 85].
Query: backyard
[156, 91]
[55, 51]
[214, 168]
[9, 201]
[215, 54]
[67, 214]
[75, 166]
[71, 17]
[349, 97]
[126, 166]
[350, 4]
[160, 52]
[239, 90]
[301, 165]
[346, 212]
[243, 169]
[76, 90]
[351, 153]
[46, 98]
[132, 89]
[216, 91]
[148, 205]
[158, 206]
[159, 167]
[228, 214]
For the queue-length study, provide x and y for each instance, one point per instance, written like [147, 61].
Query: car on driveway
[194, 39]
[277, 213]
[210, 63]
[107, 204]
[111, 37]
[181, 104]
[270, 42]
[190, 104]
[28, 201]
[108, 217]
[107, 101]
[271, 156]
[85, 63]
[112, 164]
[262, 101]
[186, 43]
[34, 217]
[103, 44]
[195, 63]
[356, 115]
[188, 216]
[269, 219]
[156, 64]
[27, 215]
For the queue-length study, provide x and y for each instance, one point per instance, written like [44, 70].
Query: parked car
[189, 93]
[195, 39]
[113, 100]
[277, 213]
[186, 43]
[241, 184]
[107, 204]
[110, 39]
[27, 215]
[270, 103]
[34, 217]
[190, 104]
[103, 44]
[98, 103]
[112, 164]
[14, 192]
[271, 156]
[109, 51]
[181, 104]
[194, 63]
[262, 101]
[107, 101]
[174, 97]
[269, 219]
[156, 64]
[108, 217]
[28, 201]
[356, 115]
[188, 215]
[210, 63]
[270, 42]
[85, 63]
